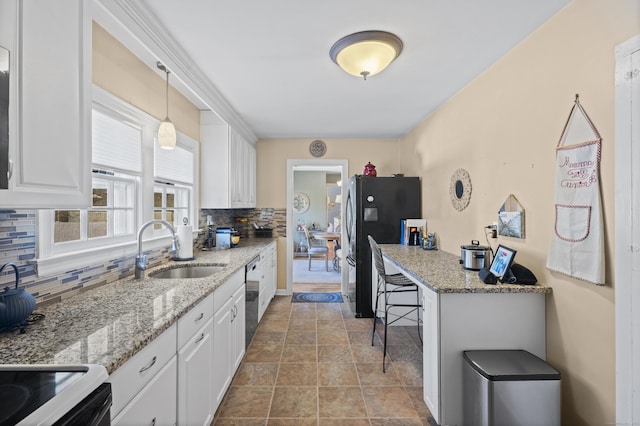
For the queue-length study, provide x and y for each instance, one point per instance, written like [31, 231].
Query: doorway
[315, 195]
[627, 234]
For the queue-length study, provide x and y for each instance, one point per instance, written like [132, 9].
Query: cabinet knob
[199, 317]
[200, 338]
[153, 422]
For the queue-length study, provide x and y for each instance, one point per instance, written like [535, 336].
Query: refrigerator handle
[349, 216]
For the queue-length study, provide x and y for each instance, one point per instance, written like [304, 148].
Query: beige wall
[272, 156]
[503, 129]
[121, 73]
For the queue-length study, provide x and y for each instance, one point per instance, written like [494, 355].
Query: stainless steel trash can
[509, 387]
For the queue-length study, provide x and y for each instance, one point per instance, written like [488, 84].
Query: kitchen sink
[188, 271]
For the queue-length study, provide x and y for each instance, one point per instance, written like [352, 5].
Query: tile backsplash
[18, 239]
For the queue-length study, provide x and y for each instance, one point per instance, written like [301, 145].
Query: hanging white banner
[577, 246]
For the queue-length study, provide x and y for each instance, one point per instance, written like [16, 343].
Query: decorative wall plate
[460, 189]
[317, 148]
[301, 202]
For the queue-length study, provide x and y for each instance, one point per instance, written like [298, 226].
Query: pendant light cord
[167, 92]
[163, 68]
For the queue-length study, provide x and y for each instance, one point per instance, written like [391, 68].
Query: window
[116, 146]
[174, 178]
[111, 215]
[128, 190]
[171, 203]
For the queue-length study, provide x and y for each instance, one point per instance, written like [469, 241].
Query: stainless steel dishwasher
[252, 276]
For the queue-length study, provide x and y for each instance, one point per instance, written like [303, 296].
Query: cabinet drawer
[194, 320]
[226, 290]
[129, 379]
[155, 404]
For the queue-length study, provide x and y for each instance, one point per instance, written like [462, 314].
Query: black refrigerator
[375, 206]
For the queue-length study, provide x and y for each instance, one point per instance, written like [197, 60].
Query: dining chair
[316, 251]
[389, 287]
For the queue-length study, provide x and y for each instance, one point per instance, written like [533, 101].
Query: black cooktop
[23, 392]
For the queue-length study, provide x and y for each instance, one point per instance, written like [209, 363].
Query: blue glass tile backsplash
[18, 236]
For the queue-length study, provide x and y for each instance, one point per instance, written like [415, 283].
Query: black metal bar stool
[389, 285]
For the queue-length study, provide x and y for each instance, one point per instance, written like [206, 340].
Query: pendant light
[166, 131]
[366, 53]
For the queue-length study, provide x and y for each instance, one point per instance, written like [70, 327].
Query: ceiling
[270, 61]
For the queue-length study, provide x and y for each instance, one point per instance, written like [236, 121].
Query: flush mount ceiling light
[366, 53]
[166, 131]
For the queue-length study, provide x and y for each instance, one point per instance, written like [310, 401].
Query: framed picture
[502, 261]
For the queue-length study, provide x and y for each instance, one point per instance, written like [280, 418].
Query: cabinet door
[238, 325]
[237, 169]
[214, 162]
[431, 351]
[274, 270]
[155, 404]
[223, 343]
[195, 390]
[243, 171]
[50, 107]
[250, 184]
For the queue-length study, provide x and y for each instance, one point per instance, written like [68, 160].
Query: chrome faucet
[141, 259]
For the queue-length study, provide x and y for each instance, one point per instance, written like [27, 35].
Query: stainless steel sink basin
[188, 271]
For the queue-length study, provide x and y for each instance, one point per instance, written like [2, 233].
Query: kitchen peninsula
[460, 313]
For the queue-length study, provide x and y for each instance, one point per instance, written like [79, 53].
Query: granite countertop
[109, 324]
[442, 272]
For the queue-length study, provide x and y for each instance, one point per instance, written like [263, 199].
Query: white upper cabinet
[49, 104]
[227, 166]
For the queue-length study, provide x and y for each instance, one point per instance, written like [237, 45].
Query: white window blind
[116, 144]
[175, 165]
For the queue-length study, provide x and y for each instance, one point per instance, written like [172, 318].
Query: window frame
[57, 258]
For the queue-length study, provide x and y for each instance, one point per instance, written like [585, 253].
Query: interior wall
[313, 184]
[272, 156]
[503, 129]
[120, 72]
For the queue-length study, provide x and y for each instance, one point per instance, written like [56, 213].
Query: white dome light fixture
[166, 131]
[366, 53]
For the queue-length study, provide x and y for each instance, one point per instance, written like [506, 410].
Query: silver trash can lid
[510, 365]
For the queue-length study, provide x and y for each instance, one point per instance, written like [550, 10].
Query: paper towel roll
[185, 239]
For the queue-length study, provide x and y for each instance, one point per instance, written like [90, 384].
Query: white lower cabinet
[269, 281]
[430, 351]
[182, 375]
[229, 334]
[195, 390]
[155, 404]
[138, 373]
[455, 322]
[195, 351]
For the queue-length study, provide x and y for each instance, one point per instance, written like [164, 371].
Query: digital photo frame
[502, 261]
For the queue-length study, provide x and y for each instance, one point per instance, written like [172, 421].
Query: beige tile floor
[313, 364]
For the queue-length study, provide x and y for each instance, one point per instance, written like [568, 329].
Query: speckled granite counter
[442, 272]
[109, 324]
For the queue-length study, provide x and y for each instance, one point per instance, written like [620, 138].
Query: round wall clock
[460, 189]
[300, 202]
[318, 148]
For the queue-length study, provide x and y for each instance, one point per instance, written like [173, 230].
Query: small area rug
[317, 297]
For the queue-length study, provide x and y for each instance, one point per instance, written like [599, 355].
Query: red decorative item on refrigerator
[370, 170]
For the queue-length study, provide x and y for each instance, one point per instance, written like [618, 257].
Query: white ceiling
[270, 59]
